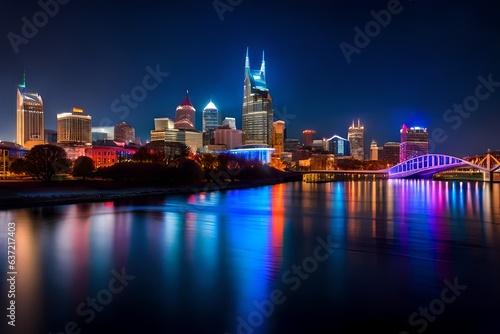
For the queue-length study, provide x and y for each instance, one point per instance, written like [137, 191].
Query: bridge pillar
[488, 176]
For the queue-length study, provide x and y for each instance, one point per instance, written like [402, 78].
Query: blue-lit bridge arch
[425, 166]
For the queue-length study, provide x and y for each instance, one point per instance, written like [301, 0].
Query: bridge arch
[428, 165]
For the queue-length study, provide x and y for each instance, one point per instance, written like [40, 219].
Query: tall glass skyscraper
[30, 117]
[210, 117]
[414, 142]
[257, 114]
[355, 136]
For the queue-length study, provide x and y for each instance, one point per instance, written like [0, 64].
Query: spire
[263, 67]
[247, 60]
[359, 125]
[23, 85]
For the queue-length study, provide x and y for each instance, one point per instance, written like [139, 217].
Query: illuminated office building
[124, 133]
[338, 146]
[184, 115]
[229, 121]
[29, 117]
[257, 113]
[279, 136]
[74, 127]
[308, 137]
[355, 137]
[230, 138]
[414, 142]
[210, 120]
[390, 153]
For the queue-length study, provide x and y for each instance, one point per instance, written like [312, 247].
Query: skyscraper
[210, 120]
[355, 137]
[124, 133]
[338, 146]
[74, 127]
[308, 137]
[30, 117]
[279, 136]
[257, 114]
[414, 142]
[210, 117]
[184, 115]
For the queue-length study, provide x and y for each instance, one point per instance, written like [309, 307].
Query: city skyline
[414, 70]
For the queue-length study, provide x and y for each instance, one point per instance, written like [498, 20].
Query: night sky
[425, 60]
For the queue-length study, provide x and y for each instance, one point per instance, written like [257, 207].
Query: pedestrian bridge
[425, 166]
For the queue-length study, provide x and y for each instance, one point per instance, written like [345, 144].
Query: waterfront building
[355, 136]
[308, 137]
[107, 153]
[74, 127]
[374, 150]
[414, 142]
[260, 153]
[279, 136]
[124, 133]
[165, 131]
[29, 117]
[231, 138]
[338, 146]
[390, 153]
[184, 115]
[257, 113]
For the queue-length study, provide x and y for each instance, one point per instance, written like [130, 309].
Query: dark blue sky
[427, 58]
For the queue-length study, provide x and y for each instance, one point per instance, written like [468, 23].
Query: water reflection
[204, 261]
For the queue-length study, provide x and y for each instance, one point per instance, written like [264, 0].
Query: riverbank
[29, 193]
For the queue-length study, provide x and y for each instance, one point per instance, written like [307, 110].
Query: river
[386, 256]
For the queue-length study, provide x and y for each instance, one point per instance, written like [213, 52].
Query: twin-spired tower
[257, 114]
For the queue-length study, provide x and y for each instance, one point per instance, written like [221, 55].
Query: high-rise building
[210, 120]
[279, 136]
[338, 146]
[390, 153]
[50, 136]
[210, 117]
[124, 133]
[229, 121]
[292, 144]
[165, 131]
[257, 113]
[74, 127]
[308, 137]
[414, 142]
[355, 137]
[374, 150]
[184, 115]
[231, 138]
[30, 117]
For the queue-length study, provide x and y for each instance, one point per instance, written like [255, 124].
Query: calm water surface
[349, 257]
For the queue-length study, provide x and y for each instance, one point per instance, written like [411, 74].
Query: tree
[84, 166]
[45, 161]
[19, 166]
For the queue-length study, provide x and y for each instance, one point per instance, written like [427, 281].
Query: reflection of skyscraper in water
[30, 117]
[257, 113]
[184, 115]
[355, 137]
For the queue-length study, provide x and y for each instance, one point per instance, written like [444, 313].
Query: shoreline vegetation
[32, 193]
